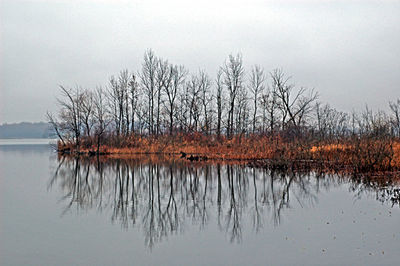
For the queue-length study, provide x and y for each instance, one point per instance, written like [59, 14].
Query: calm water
[80, 212]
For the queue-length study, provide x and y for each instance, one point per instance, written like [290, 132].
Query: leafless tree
[134, 96]
[56, 126]
[148, 79]
[182, 111]
[233, 76]
[178, 74]
[160, 99]
[101, 115]
[256, 86]
[205, 98]
[193, 103]
[70, 112]
[113, 98]
[163, 79]
[242, 112]
[375, 123]
[395, 108]
[123, 100]
[269, 105]
[330, 122]
[219, 100]
[119, 99]
[294, 105]
[87, 111]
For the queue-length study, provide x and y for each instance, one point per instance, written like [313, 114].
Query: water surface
[58, 211]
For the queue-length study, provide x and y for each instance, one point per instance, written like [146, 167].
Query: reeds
[361, 154]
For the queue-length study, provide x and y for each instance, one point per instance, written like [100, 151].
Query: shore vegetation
[239, 114]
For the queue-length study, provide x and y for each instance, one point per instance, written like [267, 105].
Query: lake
[151, 211]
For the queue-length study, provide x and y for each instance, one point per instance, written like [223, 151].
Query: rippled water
[60, 211]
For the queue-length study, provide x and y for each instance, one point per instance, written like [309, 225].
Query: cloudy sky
[347, 50]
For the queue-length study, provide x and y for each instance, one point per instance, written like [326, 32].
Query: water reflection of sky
[163, 198]
[112, 212]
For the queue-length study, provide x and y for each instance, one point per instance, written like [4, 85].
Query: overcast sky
[347, 50]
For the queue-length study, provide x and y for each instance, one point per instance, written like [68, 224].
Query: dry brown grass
[364, 154]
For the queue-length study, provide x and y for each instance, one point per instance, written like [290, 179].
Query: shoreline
[275, 164]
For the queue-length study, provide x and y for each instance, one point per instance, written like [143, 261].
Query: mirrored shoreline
[162, 196]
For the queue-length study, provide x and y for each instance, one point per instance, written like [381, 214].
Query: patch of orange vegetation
[331, 147]
[363, 154]
[378, 154]
[230, 149]
[396, 155]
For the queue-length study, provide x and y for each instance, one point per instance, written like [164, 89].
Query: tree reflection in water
[161, 197]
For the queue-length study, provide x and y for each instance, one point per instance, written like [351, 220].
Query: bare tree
[219, 100]
[294, 105]
[193, 103]
[304, 106]
[178, 74]
[70, 112]
[395, 108]
[148, 79]
[375, 124]
[86, 108]
[113, 98]
[257, 79]
[123, 100]
[183, 108]
[233, 75]
[56, 126]
[269, 104]
[134, 96]
[242, 112]
[160, 100]
[163, 79]
[101, 115]
[205, 97]
[330, 122]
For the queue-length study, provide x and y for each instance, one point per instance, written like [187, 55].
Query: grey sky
[347, 50]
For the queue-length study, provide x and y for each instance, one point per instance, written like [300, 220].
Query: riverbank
[363, 155]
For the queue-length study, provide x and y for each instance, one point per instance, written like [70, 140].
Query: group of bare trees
[163, 98]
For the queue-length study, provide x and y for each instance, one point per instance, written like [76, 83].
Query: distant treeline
[26, 130]
[165, 99]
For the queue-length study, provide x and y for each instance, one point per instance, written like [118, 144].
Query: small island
[252, 115]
